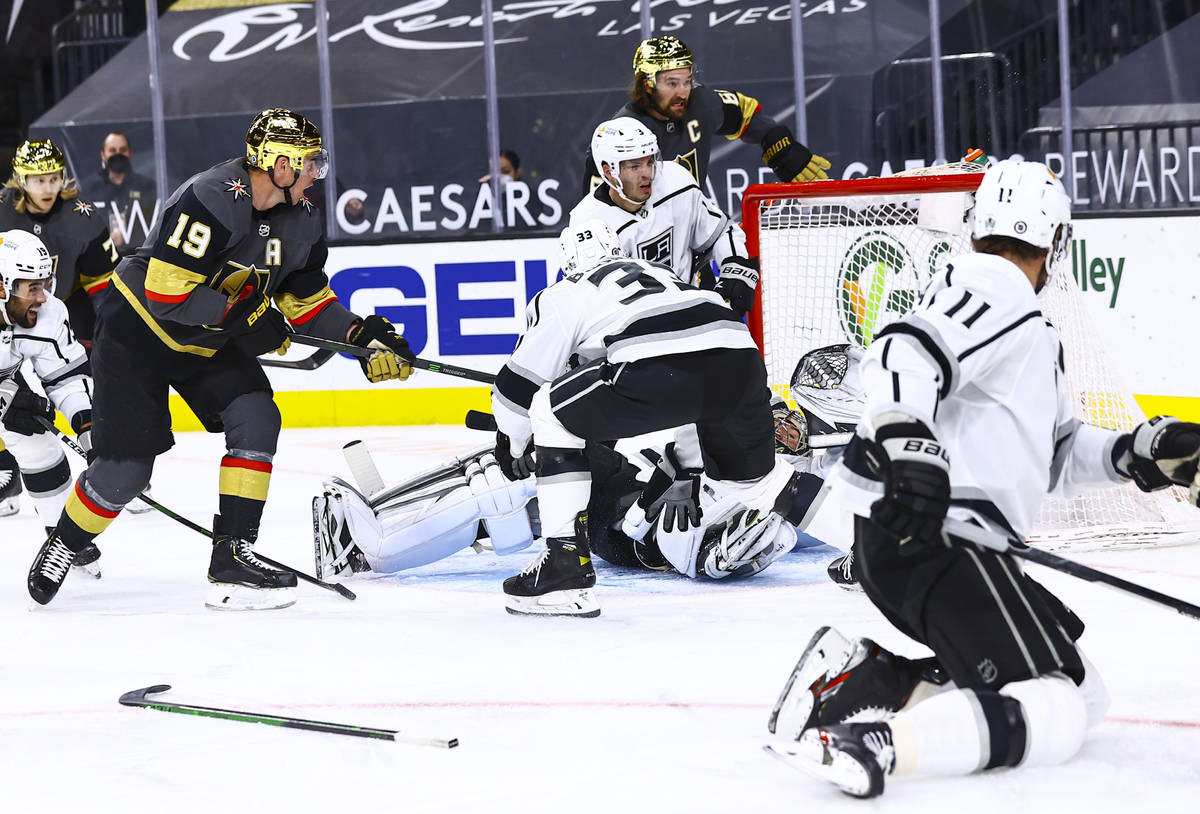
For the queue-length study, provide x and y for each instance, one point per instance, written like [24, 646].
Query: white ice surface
[658, 705]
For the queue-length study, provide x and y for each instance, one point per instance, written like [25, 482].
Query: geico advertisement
[464, 302]
[460, 302]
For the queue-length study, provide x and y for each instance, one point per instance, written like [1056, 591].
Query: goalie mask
[587, 245]
[1026, 201]
[661, 54]
[38, 157]
[791, 429]
[623, 139]
[23, 257]
[280, 132]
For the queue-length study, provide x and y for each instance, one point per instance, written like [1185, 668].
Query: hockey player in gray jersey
[658, 213]
[34, 330]
[967, 417]
[617, 348]
[191, 311]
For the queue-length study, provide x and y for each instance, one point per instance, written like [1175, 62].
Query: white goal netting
[842, 259]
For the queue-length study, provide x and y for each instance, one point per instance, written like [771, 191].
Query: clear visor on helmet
[24, 289]
[316, 165]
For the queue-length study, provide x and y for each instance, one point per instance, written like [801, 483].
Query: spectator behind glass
[510, 168]
[129, 196]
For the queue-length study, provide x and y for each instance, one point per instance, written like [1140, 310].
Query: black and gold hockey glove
[789, 159]
[20, 408]
[1161, 452]
[392, 360]
[256, 327]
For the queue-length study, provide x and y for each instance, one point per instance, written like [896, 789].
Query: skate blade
[794, 707]
[92, 569]
[842, 772]
[556, 603]
[9, 506]
[240, 597]
[138, 506]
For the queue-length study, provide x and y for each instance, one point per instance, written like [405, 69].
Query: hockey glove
[744, 545]
[790, 160]
[514, 468]
[673, 491]
[20, 408]
[916, 481]
[81, 422]
[255, 326]
[392, 361]
[739, 278]
[1161, 452]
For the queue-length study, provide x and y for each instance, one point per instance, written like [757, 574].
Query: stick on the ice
[196, 527]
[362, 467]
[420, 364]
[137, 698]
[1006, 545]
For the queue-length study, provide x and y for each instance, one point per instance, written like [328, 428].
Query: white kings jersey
[59, 361]
[979, 364]
[676, 222]
[621, 310]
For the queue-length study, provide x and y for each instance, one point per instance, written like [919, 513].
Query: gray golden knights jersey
[977, 362]
[76, 237]
[59, 361]
[209, 244]
[677, 222]
[622, 310]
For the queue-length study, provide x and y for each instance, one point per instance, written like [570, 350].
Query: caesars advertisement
[464, 303]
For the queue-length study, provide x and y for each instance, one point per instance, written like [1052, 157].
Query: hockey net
[842, 259]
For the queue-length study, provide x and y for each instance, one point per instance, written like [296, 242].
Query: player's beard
[666, 111]
[1043, 278]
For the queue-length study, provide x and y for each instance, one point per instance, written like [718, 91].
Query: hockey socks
[245, 478]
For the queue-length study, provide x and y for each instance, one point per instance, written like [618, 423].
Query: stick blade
[477, 420]
[362, 467]
[136, 698]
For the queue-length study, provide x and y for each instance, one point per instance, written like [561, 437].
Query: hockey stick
[329, 586]
[1007, 545]
[310, 363]
[479, 420]
[420, 364]
[137, 698]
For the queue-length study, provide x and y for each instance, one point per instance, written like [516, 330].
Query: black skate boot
[10, 484]
[88, 558]
[558, 582]
[49, 568]
[841, 681]
[844, 573]
[854, 757]
[244, 582]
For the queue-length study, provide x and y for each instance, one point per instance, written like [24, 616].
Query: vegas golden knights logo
[234, 277]
[690, 162]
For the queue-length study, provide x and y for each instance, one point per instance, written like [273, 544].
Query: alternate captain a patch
[658, 248]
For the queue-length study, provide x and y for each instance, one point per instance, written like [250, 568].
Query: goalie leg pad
[502, 504]
[342, 523]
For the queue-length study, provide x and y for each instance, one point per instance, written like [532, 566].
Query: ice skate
[559, 580]
[88, 561]
[10, 484]
[139, 506]
[853, 757]
[49, 569]
[241, 581]
[842, 572]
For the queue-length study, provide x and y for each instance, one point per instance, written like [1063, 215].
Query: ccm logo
[258, 312]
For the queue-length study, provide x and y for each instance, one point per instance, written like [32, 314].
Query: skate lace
[846, 564]
[879, 742]
[535, 567]
[57, 561]
[246, 554]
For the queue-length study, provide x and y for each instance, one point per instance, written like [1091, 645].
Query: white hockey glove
[673, 492]
[744, 545]
[738, 280]
[915, 469]
[1161, 452]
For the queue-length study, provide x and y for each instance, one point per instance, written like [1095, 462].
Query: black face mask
[118, 163]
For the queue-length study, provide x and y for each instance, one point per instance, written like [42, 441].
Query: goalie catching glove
[20, 408]
[739, 278]
[915, 470]
[744, 545]
[790, 160]
[394, 356]
[1161, 452]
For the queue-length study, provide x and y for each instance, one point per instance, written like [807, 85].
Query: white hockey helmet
[623, 139]
[1026, 201]
[23, 257]
[588, 244]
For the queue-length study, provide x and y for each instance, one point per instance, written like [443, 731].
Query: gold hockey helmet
[279, 131]
[661, 54]
[38, 157]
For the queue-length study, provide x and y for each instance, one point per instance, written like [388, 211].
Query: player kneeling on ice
[468, 500]
[192, 311]
[967, 418]
[35, 328]
[617, 348]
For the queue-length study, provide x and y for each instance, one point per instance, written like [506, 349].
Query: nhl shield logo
[264, 229]
[37, 228]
